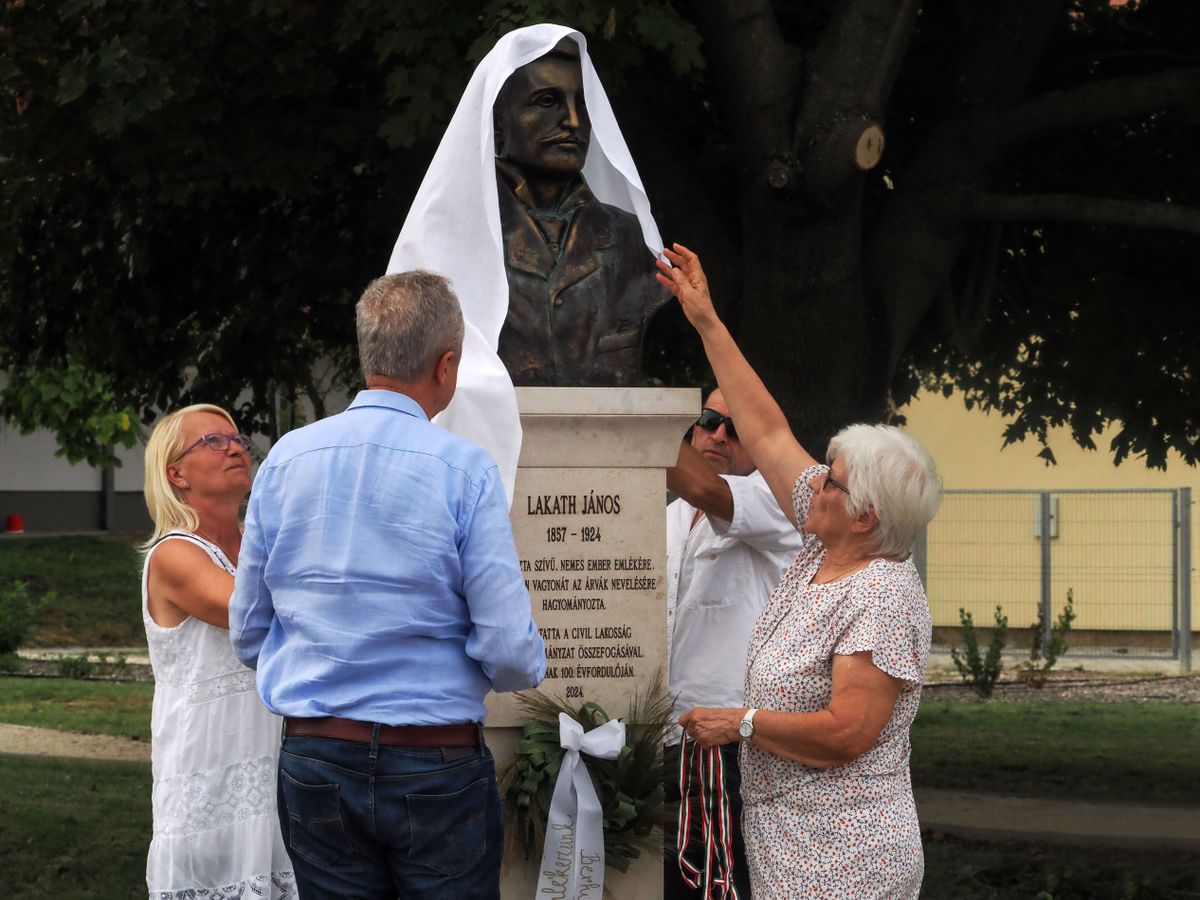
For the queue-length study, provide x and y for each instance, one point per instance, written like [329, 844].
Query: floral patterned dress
[850, 831]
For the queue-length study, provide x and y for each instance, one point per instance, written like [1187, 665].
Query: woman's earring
[186, 484]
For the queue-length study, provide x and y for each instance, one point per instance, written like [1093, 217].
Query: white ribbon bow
[573, 855]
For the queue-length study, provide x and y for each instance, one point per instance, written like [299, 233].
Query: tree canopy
[995, 198]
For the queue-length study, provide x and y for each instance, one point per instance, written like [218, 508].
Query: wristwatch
[746, 726]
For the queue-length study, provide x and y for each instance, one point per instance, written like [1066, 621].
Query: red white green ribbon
[705, 862]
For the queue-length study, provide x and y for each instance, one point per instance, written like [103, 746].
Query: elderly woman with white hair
[214, 746]
[837, 658]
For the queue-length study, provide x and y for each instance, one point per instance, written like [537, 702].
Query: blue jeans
[365, 822]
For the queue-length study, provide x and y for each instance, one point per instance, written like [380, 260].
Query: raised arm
[694, 480]
[761, 424]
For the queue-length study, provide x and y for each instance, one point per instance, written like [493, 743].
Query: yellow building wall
[1112, 550]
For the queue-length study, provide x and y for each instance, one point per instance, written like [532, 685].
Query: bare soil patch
[49, 742]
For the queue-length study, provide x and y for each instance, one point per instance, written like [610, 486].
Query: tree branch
[754, 73]
[838, 131]
[852, 70]
[1103, 101]
[894, 48]
[1088, 210]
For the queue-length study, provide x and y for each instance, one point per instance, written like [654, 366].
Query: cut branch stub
[838, 157]
[779, 174]
[869, 149]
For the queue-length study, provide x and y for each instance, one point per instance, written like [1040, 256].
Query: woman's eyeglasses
[710, 420]
[830, 481]
[217, 442]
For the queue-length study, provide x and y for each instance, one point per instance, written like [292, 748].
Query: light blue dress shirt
[378, 579]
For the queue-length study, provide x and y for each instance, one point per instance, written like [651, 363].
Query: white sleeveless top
[214, 753]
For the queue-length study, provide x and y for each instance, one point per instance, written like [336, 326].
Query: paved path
[998, 817]
[48, 742]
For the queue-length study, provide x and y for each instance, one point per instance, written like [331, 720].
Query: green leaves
[980, 671]
[191, 198]
[19, 611]
[78, 405]
[205, 190]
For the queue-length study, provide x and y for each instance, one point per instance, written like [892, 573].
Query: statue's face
[543, 122]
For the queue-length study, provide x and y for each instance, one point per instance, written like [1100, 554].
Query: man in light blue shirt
[380, 598]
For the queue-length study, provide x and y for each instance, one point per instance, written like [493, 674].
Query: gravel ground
[49, 742]
[1100, 687]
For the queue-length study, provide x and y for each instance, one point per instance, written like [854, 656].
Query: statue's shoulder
[617, 217]
[610, 226]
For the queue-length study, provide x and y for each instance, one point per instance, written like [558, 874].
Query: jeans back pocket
[315, 828]
[449, 832]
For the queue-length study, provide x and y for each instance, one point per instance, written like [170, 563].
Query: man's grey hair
[405, 322]
[890, 471]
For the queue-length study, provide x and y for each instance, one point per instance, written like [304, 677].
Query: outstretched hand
[686, 280]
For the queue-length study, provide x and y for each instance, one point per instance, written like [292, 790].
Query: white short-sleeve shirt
[719, 576]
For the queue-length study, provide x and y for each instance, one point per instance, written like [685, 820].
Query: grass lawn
[1140, 752]
[74, 829]
[97, 580]
[101, 707]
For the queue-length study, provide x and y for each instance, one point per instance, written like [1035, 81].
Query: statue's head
[541, 120]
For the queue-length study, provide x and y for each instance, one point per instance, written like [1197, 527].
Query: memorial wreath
[629, 787]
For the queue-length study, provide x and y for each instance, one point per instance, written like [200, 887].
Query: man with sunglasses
[728, 543]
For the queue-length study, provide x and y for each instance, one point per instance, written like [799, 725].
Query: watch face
[746, 729]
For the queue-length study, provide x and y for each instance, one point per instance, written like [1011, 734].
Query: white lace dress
[214, 752]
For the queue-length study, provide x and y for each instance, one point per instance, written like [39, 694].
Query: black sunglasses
[711, 420]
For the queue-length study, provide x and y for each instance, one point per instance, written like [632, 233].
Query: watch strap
[746, 726]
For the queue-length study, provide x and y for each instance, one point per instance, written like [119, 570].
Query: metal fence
[1125, 556]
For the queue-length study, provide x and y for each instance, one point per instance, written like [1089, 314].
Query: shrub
[981, 672]
[83, 666]
[1042, 658]
[116, 667]
[75, 666]
[18, 613]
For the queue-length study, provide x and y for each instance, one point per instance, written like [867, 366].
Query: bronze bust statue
[580, 277]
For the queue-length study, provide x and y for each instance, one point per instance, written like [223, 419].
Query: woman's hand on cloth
[711, 727]
[761, 424]
[686, 280]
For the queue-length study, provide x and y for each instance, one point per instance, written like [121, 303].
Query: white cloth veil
[453, 227]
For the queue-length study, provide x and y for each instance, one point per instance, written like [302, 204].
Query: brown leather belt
[389, 735]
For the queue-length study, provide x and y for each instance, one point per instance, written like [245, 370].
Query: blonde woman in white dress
[214, 745]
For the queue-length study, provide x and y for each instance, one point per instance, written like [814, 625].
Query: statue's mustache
[565, 137]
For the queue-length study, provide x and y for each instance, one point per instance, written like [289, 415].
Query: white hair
[891, 472]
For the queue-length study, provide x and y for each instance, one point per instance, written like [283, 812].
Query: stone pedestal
[589, 520]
